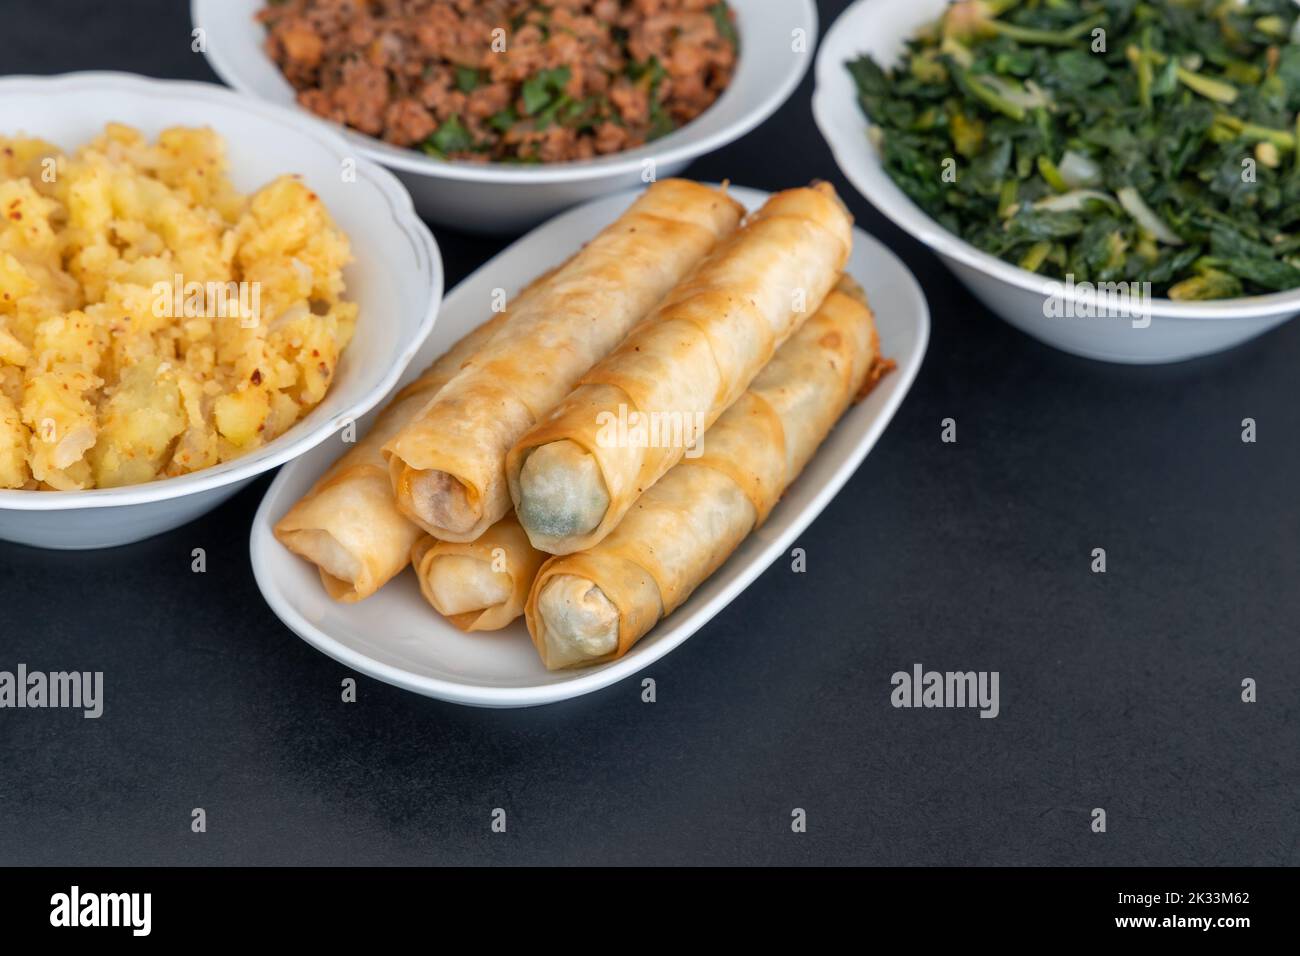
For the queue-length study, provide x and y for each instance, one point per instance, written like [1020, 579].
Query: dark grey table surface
[1120, 691]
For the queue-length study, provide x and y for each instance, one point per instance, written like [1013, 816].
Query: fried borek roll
[348, 524]
[478, 585]
[639, 411]
[592, 606]
[448, 466]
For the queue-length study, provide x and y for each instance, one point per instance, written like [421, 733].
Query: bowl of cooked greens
[498, 114]
[1118, 178]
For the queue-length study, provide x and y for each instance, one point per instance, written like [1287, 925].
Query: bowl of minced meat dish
[499, 113]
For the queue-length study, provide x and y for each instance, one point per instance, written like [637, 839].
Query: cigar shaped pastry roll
[639, 411]
[478, 585]
[448, 465]
[592, 606]
[347, 524]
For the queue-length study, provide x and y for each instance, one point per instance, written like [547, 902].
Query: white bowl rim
[913, 220]
[681, 147]
[278, 451]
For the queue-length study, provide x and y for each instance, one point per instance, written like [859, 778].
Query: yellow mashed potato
[153, 321]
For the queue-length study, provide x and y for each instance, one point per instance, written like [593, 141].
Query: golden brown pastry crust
[576, 317]
[697, 352]
[685, 526]
[503, 547]
[351, 506]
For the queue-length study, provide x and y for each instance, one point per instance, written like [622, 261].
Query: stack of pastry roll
[493, 460]
[695, 353]
[350, 524]
[448, 464]
[572, 479]
[593, 605]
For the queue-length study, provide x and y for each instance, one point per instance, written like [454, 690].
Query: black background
[1119, 691]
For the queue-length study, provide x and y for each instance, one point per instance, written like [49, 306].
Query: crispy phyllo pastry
[478, 585]
[448, 465]
[575, 475]
[592, 606]
[348, 524]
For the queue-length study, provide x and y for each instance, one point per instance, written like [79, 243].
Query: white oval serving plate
[395, 277]
[1071, 318]
[777, 40]
[396, 637]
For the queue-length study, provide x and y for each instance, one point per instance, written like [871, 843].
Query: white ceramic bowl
[777, 39]
[396, 278]
[396, 637]
[1038, 305]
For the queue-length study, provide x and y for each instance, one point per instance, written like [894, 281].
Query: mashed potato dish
[153, 320]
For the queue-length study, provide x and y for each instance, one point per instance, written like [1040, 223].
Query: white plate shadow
[396, 637]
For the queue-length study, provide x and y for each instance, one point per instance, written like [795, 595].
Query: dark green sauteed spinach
[1107, 140]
